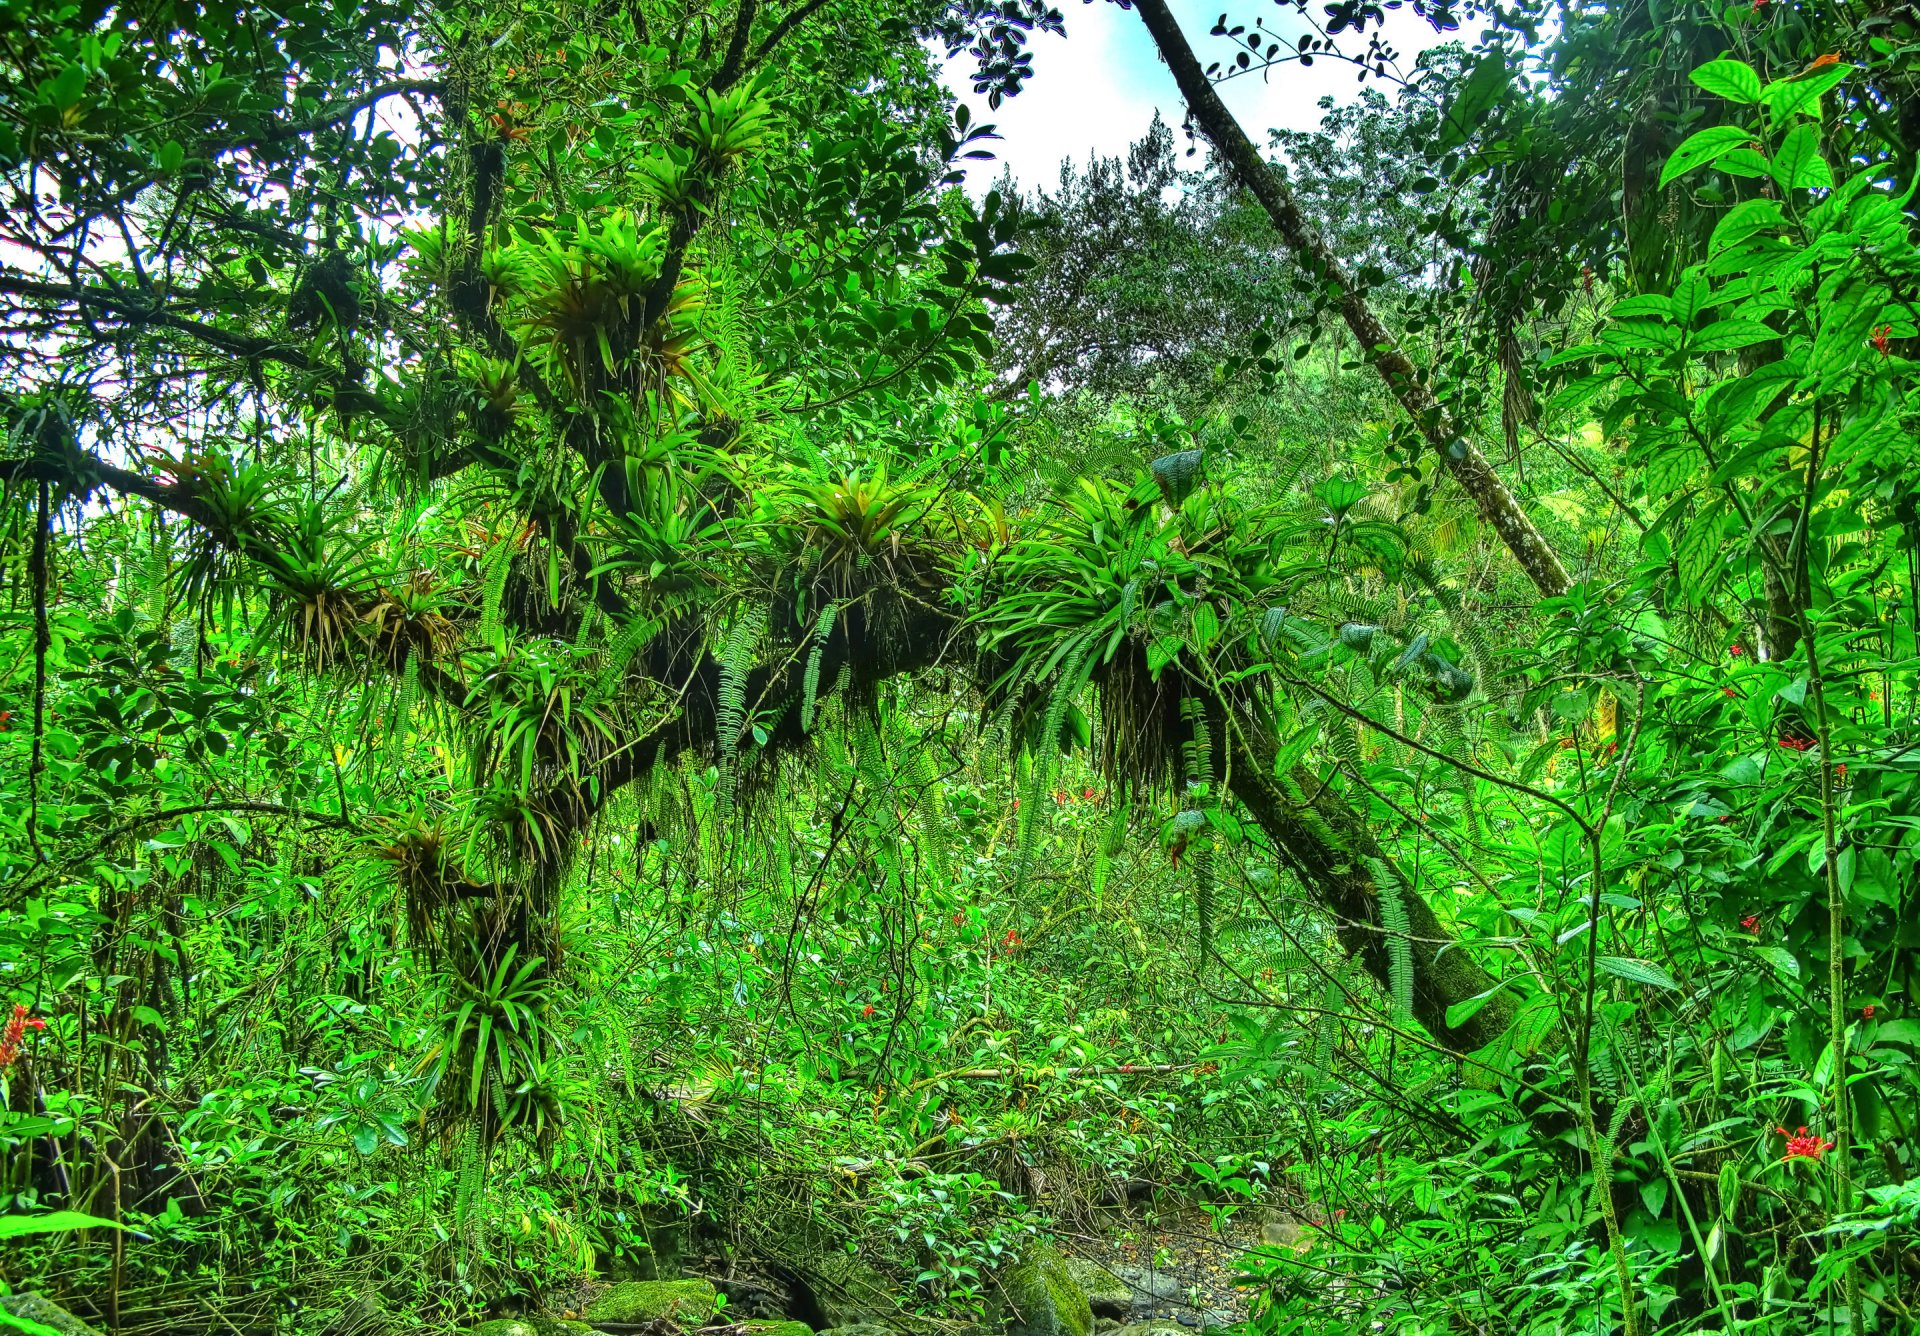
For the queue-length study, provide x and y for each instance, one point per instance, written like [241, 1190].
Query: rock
[783, 1328]
[562, 1327]
[1108, 1293]
[1150, 1329]
[39, 1308]
[688, 1302]
[1286, 1232]
[505, 1326]
[1041, 1298]
[1186, 1318]
[861, 1329]
[1149, 1284]
[846, 1289]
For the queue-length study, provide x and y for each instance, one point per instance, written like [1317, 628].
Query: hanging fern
[1067, 681]
[493, 589]
[1398, 931]
[810, 686]
[735, 661]
[620, 653]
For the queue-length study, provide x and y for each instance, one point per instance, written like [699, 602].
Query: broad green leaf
[1798, 165]
[1637, 971]
[1703, 147]
[1725, 335]
[1801, 94]
[54, 1222]
[1734, 80]
[1480, 94]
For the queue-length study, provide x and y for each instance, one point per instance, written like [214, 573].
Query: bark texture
[1462, 459]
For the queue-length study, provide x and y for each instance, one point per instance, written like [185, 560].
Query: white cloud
[1096, 91]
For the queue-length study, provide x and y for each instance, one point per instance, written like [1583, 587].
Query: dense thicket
[611, 670]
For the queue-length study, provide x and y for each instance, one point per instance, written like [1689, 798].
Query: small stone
[1149, 1284]
[1186, 1318]
[861, 1329]
[39, 1308]
[1150, 1329]
[688, 1302]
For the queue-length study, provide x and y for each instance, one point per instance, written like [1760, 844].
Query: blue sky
[1096, 90]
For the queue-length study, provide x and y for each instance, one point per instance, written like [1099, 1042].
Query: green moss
[504, 1326]
[39, 1308]
[1043, 1300]
[688, 1302]
[776, 1329]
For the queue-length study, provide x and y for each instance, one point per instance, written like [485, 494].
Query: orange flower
[1821, 62]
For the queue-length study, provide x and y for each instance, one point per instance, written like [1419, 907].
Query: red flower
[1728, 691]
[1012, 939]
[1059, 797]
[16, 1031]
[1087, 793]
[1801, 1146]
[1866, 1012]
[1792, 743]
[1126, 1066]
[867, 1010]
[1880, 333]
[1016, 804]
[1751, 923]
[1758, 4]
[1735, 649]
[1840, 771]
[956, 920]
[1586, 277]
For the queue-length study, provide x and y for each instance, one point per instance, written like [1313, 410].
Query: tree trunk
[1329, 845]
[1467, 465]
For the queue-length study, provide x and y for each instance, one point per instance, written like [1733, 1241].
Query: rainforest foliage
[614, 664]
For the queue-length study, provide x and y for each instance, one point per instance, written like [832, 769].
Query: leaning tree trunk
[1330, 848]
[1467, 465]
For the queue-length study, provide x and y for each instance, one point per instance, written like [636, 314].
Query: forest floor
[1186, 1263]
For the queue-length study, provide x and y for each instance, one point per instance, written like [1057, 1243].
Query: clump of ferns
[1143, 602]
[321, 580]
[491, 1063]
[408, 620]
[424, 861]
[579, 297]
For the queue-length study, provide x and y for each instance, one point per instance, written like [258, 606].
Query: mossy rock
[846, 1289]
[861, 1329]
[505, 1326]
[39, 1308]
[688, 1302]
[783, 1328]
[1041, 1298]
[1107, 1294]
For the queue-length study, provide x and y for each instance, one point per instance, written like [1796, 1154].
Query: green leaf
[1461, 1012]
[1798, 165]
[1801, 95]
[1726, 335]
[1637, 971]
[1731, 79]
[1780, 958]
[1703, 147]
[54, 1222]
[1479, 95]
[1747, 218]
